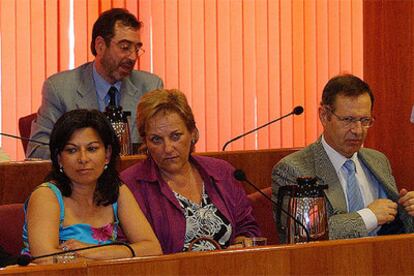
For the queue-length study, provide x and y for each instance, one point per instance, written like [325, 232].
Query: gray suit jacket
[313, 161]
[75, 89]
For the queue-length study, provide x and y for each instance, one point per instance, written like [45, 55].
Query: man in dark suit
[362, 196]
[116, 45]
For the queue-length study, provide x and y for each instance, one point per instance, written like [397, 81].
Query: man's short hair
[105, 25]
[347, 85]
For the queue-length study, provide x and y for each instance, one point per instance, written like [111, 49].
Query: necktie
[112, 95]
[355, 201]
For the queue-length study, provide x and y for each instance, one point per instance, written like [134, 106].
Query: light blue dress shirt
[102, 88]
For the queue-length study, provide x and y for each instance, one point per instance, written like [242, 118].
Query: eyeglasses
[349, 121]
[128, 47]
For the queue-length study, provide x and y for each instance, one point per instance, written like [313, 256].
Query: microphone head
[239, 175]
[24, 260]
[298, 110]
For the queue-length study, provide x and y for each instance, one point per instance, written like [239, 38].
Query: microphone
[296, 111]
[9, 260]
[241, 176]
[24, 260]
[24, 138]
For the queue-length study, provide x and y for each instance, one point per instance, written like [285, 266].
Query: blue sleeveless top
[81, 232]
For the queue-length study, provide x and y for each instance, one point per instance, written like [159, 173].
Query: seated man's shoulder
[69, 77]
[304, 155]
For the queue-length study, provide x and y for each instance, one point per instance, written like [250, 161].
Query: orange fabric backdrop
[241, 63]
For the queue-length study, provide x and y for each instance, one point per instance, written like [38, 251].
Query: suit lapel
[129, 95]
[325, 170]
[380, 173]
[86, 90]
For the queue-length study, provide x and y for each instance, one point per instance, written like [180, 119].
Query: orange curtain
[241, 63]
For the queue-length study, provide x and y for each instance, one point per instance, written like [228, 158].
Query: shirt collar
[101, 85]
[336, 158]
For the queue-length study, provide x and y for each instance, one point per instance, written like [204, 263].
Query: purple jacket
[164, 212]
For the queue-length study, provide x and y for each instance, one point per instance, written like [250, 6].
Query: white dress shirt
[366, 188]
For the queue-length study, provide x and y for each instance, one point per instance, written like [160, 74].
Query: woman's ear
[195, 136]
[108, 154]
[58, 159]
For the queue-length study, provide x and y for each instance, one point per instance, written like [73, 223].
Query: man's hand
[384, 209]
[407, 200]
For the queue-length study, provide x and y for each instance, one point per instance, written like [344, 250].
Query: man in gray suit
[363, 200]
[116, 45]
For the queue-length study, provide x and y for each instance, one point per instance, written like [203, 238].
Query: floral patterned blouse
[204, 220]
[81, 232]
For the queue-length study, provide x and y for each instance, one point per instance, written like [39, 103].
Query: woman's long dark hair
[107, 188]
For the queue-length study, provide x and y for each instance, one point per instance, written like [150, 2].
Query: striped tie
[355, 201]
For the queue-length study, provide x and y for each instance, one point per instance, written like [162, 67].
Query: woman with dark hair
[83, 201]
[192, 202]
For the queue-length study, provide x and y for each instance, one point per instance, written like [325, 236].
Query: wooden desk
[387, 255]
[18, 179]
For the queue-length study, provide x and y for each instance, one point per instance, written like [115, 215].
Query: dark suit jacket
[75, 89]
[313, 161]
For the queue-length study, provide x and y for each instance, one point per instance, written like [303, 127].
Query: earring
[106, 166]
[61, 169]
[192, 141]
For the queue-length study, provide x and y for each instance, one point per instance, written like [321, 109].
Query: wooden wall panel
[389, 69]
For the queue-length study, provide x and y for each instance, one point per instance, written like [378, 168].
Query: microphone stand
[24, 138]
[24, 260]
[297, 111]
[241, 176]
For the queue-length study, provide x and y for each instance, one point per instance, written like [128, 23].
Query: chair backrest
[25, 125]
[11, 227]
[263, 213]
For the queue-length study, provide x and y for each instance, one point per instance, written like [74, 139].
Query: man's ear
[100, 45]
[324, 115]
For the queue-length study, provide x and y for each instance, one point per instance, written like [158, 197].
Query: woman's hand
[73, 244]
[238, 242]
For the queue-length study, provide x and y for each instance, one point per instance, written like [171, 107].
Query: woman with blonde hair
[188, 199]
